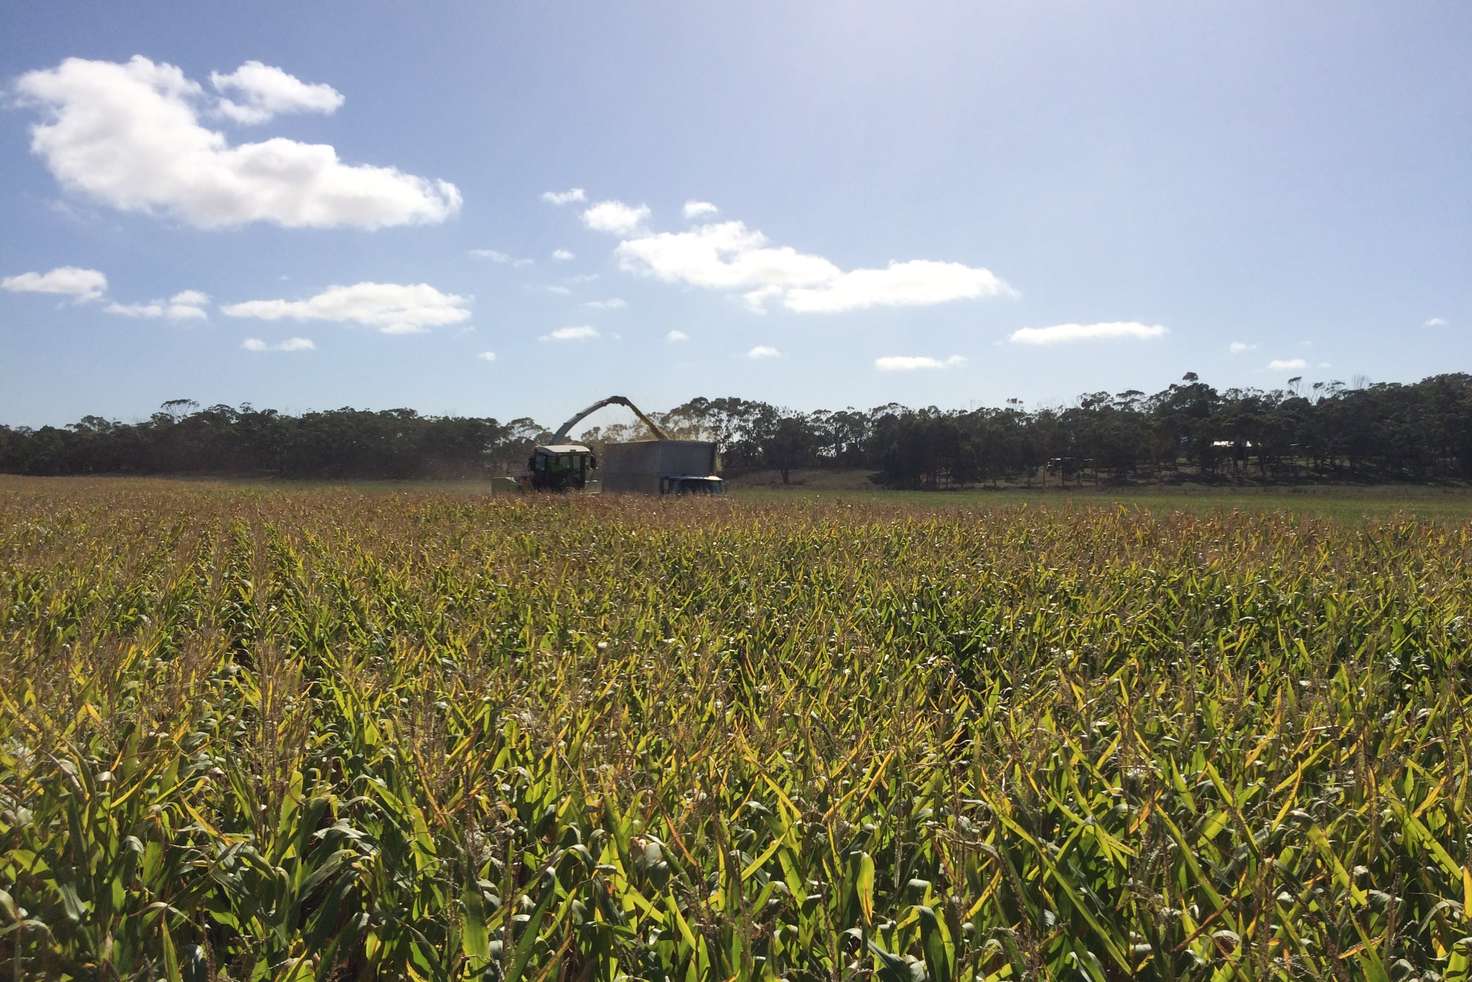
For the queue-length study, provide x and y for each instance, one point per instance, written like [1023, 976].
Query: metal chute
[562, 432]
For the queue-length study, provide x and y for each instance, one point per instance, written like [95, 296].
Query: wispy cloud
[1240, 347]
[391, 308]
[501, 258]
[568, 197]
[1287, 365]
[1103, 331]
[563, 255]
[1435, 322]
[676, 337]
[915, 363]
[612, 303]
[576, 332]
[290, 344]
[182, 306]
[699, 209]
[763, 351]
[68, 281]
[487, 356]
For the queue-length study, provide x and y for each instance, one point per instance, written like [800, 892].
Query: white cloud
[194, 298]
[723, 256]
[1287, 364]
[615, 217]
[128, 135]
[730, 256]
[172, 310]
[266, 91]
[914, 283]
[700, 209]
[487, 356]
[290, 344]
[582, 278]
[392, 308]
[581, 332]
[612, 303]
[913, 363]
[70, 281]
[135, 309]
[570, 196]
[1238, 347]
[1106, 331]
[763, 351]
[675, 337]
[501, 258]
[561, 291]
[563, 255]
[184, 312]
[1435, 322]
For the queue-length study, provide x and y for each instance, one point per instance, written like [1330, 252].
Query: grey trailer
[659, 466]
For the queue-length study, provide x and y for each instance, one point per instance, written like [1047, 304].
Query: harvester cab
[561, 467]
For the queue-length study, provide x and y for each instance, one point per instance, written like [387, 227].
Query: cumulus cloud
[730, 256]
[128, 135]
[700, 209]
[500, 258]
[615, 217]
[579, 332]
[1106, 331]
[1287, 365]
[1238, 347]
[563, 255]
[487, 356]
[568, 197]
[612, 303]
[763, 351]
[677, 336]
[915, 363]
[194, 298]
[391, 308]
[1435, 322]
[290, 344]
[67, 281]
[265, 91]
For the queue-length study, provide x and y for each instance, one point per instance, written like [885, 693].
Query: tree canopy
[1389, 431]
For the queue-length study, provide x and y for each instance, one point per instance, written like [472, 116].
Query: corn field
[320, 733]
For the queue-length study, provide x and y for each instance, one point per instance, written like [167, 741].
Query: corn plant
[331, 734]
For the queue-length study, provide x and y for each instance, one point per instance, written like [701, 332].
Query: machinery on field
[659, 466]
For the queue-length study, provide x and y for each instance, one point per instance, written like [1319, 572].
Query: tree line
[1419, 431]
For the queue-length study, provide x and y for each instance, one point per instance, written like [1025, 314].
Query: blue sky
[946, 204]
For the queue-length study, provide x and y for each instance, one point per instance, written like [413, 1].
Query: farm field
[1344, 503]
[271, 732]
